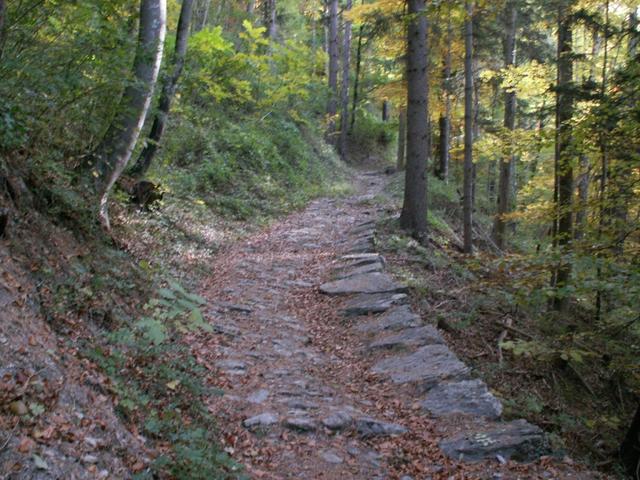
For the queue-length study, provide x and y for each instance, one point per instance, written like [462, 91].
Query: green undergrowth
[129, 302]
[564, 372]
[160, 386]
[249, 168]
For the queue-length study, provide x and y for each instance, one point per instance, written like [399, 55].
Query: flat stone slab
[375, 267]
[259, 396]
[468, 397]
[361, 246]
[300, 424]
[369, 427]
[410, 337]
[365, 283]
[425, 368]
[396, 318]
[365, 304]
[517, 440]
[263, 420]
[362, 257]
[338, 420]
[232, 367]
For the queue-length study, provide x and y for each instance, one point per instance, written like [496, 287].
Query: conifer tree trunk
[510, 102]
[344, 100]
[468, 130]
[3, 16]
[385, 110]
[563, 154]
[583, 177]
[630, 448]
[414, 209]
[402, 138]
[168, 92]
[444, 122]
[332, 104]
[114, 152]
[356, 81]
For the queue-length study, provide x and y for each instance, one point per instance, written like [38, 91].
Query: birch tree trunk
[205, 15]
[168, 92]
[332, 104]
[510, 104]
[563, 153]
[251, 6]
[114, 152]
[344, 100]
[414, 209]
[468, 130]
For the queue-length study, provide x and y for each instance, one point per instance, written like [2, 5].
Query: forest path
[301, 399]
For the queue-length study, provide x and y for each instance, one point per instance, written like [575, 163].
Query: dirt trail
[300, 400]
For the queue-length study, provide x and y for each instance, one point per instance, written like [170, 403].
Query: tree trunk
[344, 100]
[630, 448]
[114, 152]
[356, 82]
[168, 92]
[205, 15]
[270, 19]
[402, 138]
[385, 110]
[583, 178]
[3, 16]
[510, 103]
[414, 209]
[444, 122]
[563, 153]
[633, 35]
[251, 6]
[334, 57]
[468, 130]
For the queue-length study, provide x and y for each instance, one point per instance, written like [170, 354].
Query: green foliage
[159, 384]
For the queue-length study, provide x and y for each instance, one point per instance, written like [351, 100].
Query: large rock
[468, 397]
[425, 368]
[517, 440]
[370, 427]
[353, 271]
[300, 424]
[396, 318]
[365, 304]
[365, 283]
[410, 337]
[361, 246]
[338, 420]
[263, 420]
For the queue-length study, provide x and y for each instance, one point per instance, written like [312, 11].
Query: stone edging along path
[419, 361]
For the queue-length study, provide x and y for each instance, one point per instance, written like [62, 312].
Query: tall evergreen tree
[564, 153]
[334, 60]
[468, 130]
[510, 101]
[414, 209]
[344, 94]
